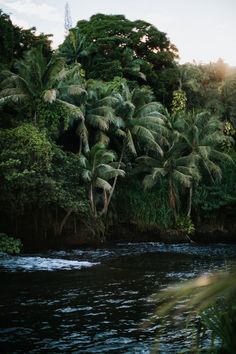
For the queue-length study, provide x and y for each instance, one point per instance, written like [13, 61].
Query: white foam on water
[31, 264]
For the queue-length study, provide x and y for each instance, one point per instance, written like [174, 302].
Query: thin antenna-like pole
[68, 20]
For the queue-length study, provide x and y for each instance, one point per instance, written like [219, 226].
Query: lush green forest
[109, 136]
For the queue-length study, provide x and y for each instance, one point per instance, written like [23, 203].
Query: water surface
[95, 300]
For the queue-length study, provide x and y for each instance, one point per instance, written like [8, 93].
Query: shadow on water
[94, 301]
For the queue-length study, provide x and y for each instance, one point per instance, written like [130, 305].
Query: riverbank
[77, 233]
[130, 234]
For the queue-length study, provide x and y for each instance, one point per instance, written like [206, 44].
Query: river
[95, 300]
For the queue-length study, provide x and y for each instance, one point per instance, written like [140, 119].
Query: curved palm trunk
[190, 201]
[92, 203]
[115, 179]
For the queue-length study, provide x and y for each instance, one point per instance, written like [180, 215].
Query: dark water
[95, 301]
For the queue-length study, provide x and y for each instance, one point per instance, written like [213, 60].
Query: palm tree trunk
[172, 198]
[190, 201]
[91, 199]
[80, 146]
[105, 201]
[116, 177]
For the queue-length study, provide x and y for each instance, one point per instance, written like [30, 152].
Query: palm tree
[99, 111]
[131, 66]
[176, 168]
[96, 104]
[37, 80]
[97, 171]
[204, 137]
[138, 125]
[139, 121]
[74, 48]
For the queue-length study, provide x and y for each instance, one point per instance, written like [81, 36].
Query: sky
[202, 30]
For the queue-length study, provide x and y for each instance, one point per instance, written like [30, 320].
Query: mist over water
[95, 300]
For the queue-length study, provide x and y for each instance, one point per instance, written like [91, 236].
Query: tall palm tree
[95, 102]
[99, 110]
[97, 171]
[204, 137]
[176, 168]
[139, 120]
[36, 80]
[138, 125]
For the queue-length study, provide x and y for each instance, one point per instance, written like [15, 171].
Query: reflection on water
[94, 301]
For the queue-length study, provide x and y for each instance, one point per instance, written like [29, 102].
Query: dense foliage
[15, 41]
[109, 127]
[135, 50]
[9, 244]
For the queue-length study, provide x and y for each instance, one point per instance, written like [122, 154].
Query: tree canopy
[15, 41]
[135, 50]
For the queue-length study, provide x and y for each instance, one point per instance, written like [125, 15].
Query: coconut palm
[36, 80]
[138, 125]
[98, 110]
[178, 169]
[97, 171]
[96, 103]
[74, 48]
[139, 121]
[204, 137]
[72, 91]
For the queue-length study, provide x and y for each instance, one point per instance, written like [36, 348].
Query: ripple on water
[31, 264]
[100, 310]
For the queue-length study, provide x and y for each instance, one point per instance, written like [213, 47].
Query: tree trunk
[105, 201]
[91, 199]
[190, 201]
[64, 221]
[116, 177]
[80, 146]
[172, 198]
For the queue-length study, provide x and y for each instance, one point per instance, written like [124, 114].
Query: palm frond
[144, 135]
[76, 90]
[108, 172]
[17, 98]
[130, 143]
[102, 138]
[182, 179]
[75, 111]
[147, 160]
[50, 96]
[103, 184]
[149, 108]
[86, 176]
[97, 121]
[151, 180]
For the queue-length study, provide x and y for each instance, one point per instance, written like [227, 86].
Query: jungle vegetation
[110, 129]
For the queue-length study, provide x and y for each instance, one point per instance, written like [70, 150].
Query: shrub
[9, 244]
[184, 223]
